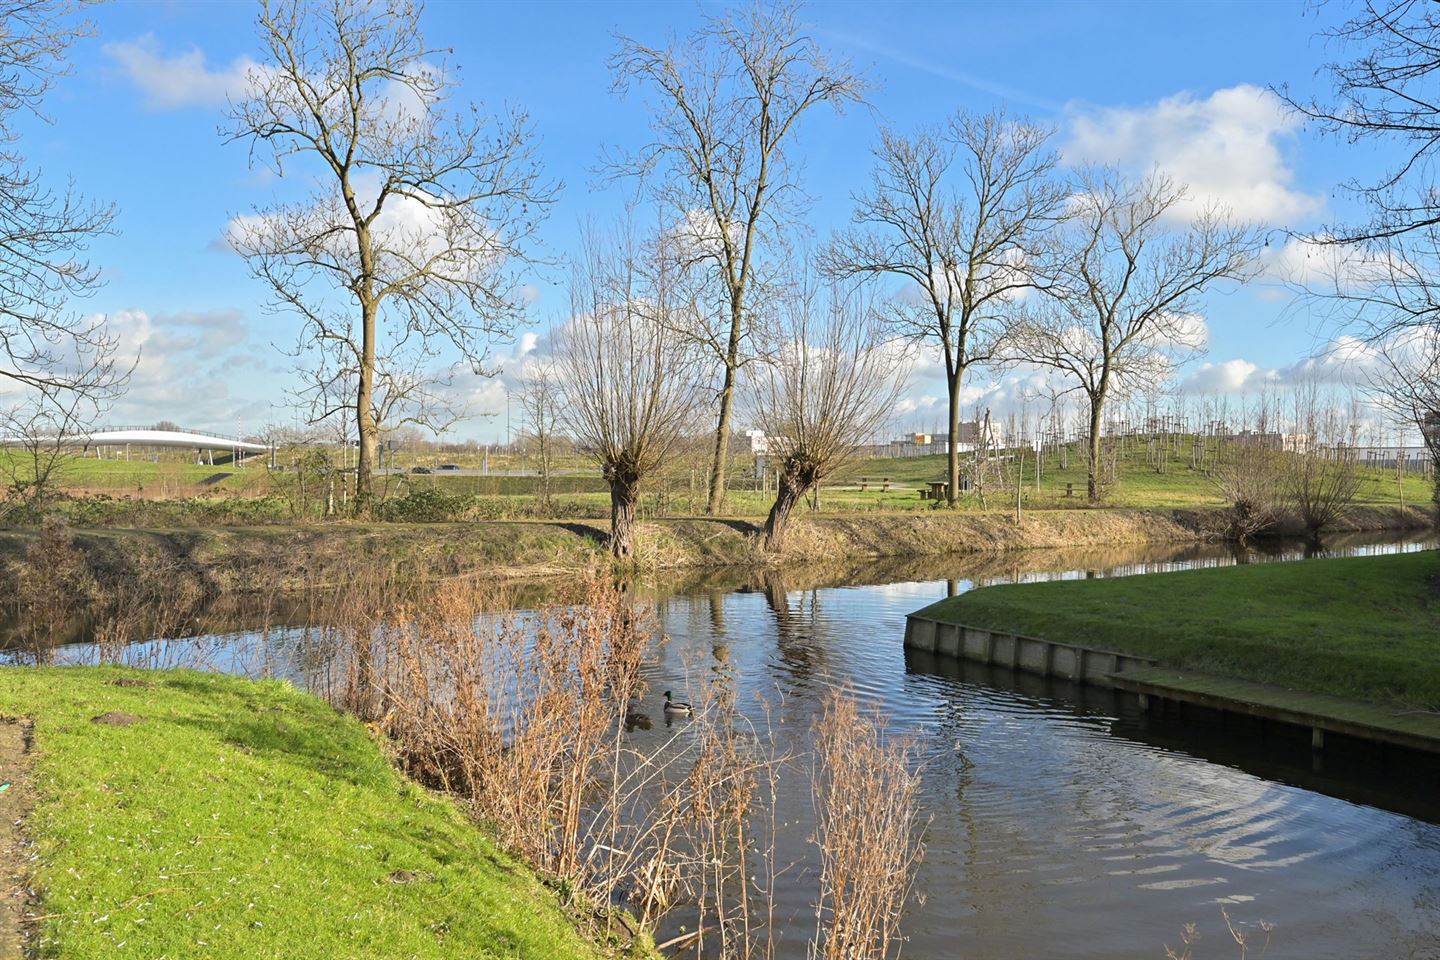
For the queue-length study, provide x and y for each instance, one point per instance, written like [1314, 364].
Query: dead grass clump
[866, 793]
[528, 718]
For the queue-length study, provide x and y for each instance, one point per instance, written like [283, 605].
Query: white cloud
[1228, 376]
[182, 80]
[187, 370]
[1345, 361]
[1228, 148]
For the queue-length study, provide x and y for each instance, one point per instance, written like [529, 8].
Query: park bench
[866, 481]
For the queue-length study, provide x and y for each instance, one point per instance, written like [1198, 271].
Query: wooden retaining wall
[1030, 654]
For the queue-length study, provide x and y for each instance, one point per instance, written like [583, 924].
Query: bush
[1250, 479]
[421, 505]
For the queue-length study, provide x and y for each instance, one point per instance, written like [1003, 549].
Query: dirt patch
[16, 802]
[116, 719]
[410, 876]
[130, 682]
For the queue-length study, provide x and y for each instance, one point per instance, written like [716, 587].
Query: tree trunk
[727, 398]
[366, 427]
[789, 491]
[952, 496]
[624, 492]
[1097, 417]
[720, 461]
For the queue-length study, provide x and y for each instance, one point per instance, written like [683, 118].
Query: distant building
[968, 438]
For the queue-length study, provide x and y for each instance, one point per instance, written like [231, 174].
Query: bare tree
[627, 373]
[728, 103]
[46, 348]
[830, 385]
[1385, 93]
[1379, 273]
[540, 407]
[410, 388]
[1251, 478]
[1122, 289]
[418, 219]
[957, 212]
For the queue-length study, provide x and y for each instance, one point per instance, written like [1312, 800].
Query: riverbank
[226, 560]
[186, 815]
[1361, 628]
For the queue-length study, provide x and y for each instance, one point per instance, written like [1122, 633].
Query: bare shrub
[528, 718]
[1190, 935]
[51, 586]
[866, 791]
[1252, 481]
[1323, 475]
[523, 718]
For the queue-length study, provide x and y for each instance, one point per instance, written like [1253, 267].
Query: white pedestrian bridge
[113, 437]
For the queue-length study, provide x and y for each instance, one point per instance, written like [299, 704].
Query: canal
[1061, 821]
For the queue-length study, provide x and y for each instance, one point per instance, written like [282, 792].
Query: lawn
[1365, 627]
[579, 491]
[239, 819]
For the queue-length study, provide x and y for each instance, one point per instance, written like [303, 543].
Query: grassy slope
[1364, 627]
[1139, 486]
[222, 559]
[250, 820]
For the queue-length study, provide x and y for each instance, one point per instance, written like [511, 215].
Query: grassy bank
[215, 817]
[1365, 628]
[228, 559]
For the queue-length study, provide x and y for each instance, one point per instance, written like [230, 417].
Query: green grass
[1365, 627]
[245, 820]
[581, 494]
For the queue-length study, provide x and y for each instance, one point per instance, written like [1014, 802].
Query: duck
[636, 720]
[677, 708]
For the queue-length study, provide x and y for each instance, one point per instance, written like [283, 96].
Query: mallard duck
[677, 708]
[636, 720]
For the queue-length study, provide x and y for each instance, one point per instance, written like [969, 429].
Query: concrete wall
[1028, 654]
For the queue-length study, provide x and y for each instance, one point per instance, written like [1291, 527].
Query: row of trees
[631, 384]
[406, 249]
[1006, 261]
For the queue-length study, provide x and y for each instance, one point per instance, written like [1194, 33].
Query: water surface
[1062, 822]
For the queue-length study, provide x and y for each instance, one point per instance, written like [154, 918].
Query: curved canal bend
[1062, 822]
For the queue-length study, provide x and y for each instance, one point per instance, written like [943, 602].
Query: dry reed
[866, 792]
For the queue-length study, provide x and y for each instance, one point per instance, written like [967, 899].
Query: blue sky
[1178, 85]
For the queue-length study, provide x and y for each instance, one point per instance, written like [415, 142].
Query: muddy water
[1063, 823]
